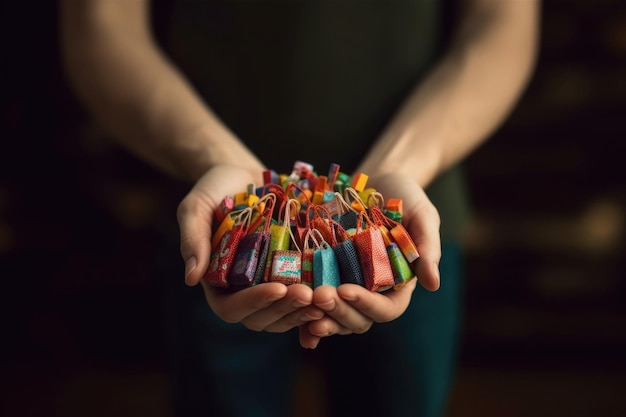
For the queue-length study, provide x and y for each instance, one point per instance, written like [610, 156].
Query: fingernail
[190, 265]
[436, 266]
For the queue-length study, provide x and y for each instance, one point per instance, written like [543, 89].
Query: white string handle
[351, 192]
[309, 237]
[287, 218]
[343, 204]
[378, 198]
[243, 218]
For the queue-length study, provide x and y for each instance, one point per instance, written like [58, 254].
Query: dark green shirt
[311, 80]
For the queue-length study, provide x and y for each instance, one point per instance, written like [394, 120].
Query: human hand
[421, 220]
[271, 307]
[353, 309]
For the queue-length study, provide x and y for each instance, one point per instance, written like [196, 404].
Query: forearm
[466, 96]
[134, 92]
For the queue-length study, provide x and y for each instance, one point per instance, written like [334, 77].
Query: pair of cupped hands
[326, 310]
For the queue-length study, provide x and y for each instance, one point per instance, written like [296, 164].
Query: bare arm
[137, 95]
[462, 101]
[468, 94]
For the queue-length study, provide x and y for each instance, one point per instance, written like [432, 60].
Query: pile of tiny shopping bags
[305, 228]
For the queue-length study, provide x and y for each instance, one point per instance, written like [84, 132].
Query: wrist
[216, 145]
[406, 155]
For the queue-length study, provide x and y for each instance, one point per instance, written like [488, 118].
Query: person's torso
[312, 80]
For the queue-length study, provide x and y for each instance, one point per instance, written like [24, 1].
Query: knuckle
[227, 316]
[184, 207]
[254, 326]
[386, 317]
[193, 205]
[230, 320]
[280, 327]
[363, 328]
[186, 245]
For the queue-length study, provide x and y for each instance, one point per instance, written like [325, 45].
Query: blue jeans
[401, 368]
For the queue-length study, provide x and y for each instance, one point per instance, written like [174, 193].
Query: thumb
[194, 220]
[424, 225]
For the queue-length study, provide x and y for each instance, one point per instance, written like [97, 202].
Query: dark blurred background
[544, 331]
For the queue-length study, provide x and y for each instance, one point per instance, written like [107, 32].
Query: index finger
[379, 307]
[233, 307]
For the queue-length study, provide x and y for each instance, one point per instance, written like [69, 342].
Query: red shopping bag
[308, 249]
[224, 253]
[373, 257]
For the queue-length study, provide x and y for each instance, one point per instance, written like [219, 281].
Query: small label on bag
[286, 267]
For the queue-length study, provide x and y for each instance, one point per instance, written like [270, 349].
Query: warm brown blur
[545, 284]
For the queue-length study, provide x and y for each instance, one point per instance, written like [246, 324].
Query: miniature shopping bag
[252, 249]
[373, 256]
[347, 257]
[224, 254]
[325, 266]
[310, 243]
[286, 265]
[398, 232]
[400, 265]
[402, 272]
[280, 233]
